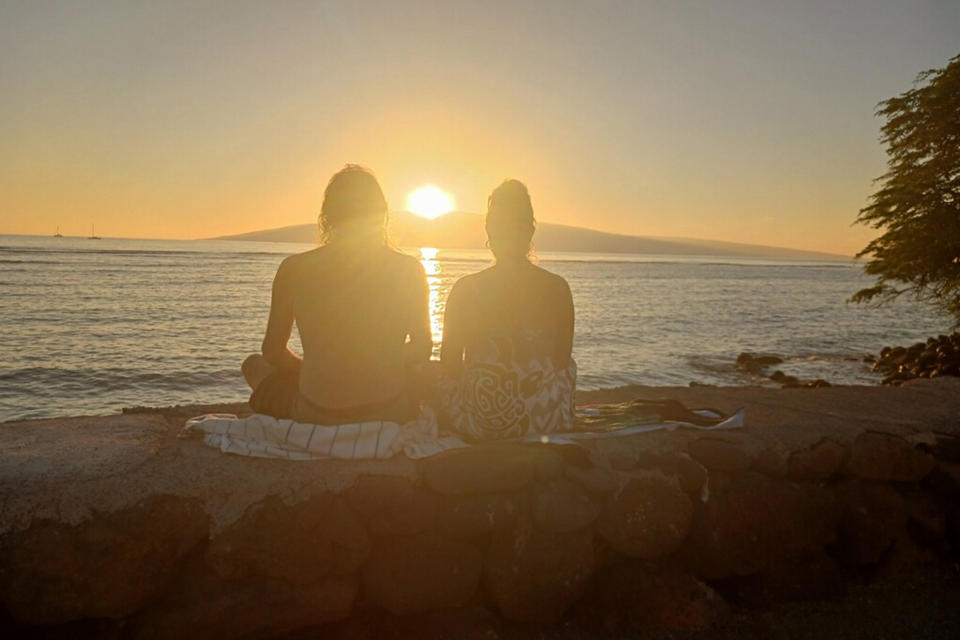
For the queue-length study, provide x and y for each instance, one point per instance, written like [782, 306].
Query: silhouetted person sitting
[361, 310]
[508, 335]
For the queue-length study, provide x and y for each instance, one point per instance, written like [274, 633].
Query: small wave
[120, 252]
[55, 381]
[12, 261]
[693, 263]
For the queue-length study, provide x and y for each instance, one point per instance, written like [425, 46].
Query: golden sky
[743, 121]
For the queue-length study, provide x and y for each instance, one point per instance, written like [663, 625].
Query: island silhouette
[463, 230]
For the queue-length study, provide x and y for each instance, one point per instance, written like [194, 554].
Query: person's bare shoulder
[294, 264]
[479, 277]
[552, 280]
[469, 286]
[404, 263]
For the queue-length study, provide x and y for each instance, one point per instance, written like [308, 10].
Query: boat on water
[93, 236]
[58, 234]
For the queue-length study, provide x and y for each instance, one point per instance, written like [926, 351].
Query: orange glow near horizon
[429, 202]
[211, 127]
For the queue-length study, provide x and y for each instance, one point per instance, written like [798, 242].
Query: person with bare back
[506, 362]
[362, 312]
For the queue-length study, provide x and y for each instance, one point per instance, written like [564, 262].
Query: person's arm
[420, 345]
[454, 333]
[565, 317]
[280, 322]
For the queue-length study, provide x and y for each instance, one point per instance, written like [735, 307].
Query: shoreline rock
[117, 521]
[937, 356]
[757, 365]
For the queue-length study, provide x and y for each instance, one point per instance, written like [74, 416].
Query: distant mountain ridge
[460, 230]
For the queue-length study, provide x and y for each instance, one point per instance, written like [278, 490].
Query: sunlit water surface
[90, 326]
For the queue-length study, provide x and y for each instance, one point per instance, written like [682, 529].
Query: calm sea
[90, 326]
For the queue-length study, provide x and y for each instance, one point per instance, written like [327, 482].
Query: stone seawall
[115, 526]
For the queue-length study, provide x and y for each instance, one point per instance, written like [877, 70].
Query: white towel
[267, 437]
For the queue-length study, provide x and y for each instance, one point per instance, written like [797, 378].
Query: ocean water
[90, 326]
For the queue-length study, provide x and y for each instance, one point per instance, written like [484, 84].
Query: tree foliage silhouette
[918, 203]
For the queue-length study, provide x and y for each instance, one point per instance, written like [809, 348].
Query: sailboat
[58, 234]
[93, 236]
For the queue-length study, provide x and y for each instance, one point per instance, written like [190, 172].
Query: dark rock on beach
[300, 543]
[107, 567]
[534, 575]
[882, 456]
[561, 506]
[872, 518]
[756, 364]
[487, 468]
[389, 505]
[754, 522]
[811, 575]
[647, 518]
[204, 606]
[938, 356]
[820, 462]
[418, 573]
[476, 515]
[719, 454]
[647, 598]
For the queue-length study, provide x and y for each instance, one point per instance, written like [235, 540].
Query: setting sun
[429, 202]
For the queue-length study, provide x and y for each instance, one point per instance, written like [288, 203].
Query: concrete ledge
[118, 524]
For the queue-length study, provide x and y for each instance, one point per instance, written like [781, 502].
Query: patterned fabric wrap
[508, 389]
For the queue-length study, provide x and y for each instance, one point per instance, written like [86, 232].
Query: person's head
[510, 222]
[353, 206]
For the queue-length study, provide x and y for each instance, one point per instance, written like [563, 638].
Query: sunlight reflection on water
[428, 258]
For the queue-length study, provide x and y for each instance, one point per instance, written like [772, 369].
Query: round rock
[883, 456]
[535, 575]
[560, 506]
[300, 543]
[719, 455]
[638, 597]
[476, 515]
[390, 505]
[487, 468]
[413, 574]
[106, 567]
[820, 462]
[646, 518]
[752, 522]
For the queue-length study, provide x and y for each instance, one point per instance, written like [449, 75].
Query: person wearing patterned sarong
[506, 359]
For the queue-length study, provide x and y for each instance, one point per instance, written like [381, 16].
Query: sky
[748, 121]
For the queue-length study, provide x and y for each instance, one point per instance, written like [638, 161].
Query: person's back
[508, 335]
[516, 301]
[361, 310]
[354, 310]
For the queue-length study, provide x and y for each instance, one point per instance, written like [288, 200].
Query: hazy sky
[739, 120]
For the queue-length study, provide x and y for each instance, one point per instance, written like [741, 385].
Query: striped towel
[264, 436]
[267, 437]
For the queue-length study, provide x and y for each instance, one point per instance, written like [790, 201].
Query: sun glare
[429, 202]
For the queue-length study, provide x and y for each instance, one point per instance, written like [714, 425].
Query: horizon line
[556, 224]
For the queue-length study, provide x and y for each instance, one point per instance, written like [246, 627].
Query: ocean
[91, 326]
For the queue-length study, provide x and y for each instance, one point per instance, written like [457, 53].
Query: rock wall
[652, 533]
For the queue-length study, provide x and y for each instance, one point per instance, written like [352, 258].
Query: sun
[429, 202]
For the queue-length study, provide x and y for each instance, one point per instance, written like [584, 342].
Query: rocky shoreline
[117, 527]
[760, 364]
[939, 356]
